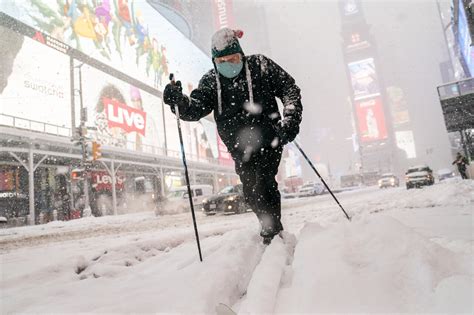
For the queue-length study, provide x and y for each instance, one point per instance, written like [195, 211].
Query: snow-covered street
[404, 251]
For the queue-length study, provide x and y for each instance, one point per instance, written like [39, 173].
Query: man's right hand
[173, 93]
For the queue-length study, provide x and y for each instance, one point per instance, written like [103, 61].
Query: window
[198, 192]
[227, 190]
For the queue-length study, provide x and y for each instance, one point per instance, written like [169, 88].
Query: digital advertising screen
[34, 83]
[364, 79]
[120, 114]
[371, 120]
[406, 142]
[128, 35]
[464, 39]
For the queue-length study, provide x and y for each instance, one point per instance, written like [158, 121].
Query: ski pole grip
[174, 82]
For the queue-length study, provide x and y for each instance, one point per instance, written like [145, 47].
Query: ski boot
[267, 240]
[269, 232]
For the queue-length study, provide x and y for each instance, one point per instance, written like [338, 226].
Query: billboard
[398, 107]
[292, 163]
[223, 15]
[464, 40]
[364, 78]
[37, 85]
[121, 115]
[406, 142]
[102, 181]
[371, 119]
[350, 7]
[206, 139]
[224, 156]
[127, 35]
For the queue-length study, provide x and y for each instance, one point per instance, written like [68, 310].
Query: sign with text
[223, 16]
[101, 180]
[122, 115]
[125, 117]
[35, 84]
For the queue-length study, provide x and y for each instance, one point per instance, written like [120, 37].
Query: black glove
[286, 131]
[173, 94]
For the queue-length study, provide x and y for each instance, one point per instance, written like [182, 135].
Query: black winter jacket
[239, 126]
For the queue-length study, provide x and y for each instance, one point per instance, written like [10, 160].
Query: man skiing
[461, 163]
[241, 91]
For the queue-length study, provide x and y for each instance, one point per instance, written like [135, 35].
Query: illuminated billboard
[364, 78]
[37, 88]
[398, 107]
[120, 114]
[350, 7]
[406, 142]
[371, 120]
[224, 156]
[292, 163]
[130, 36]
[464, 39]
[223, 14]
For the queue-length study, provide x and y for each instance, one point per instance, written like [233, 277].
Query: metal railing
[37, 126]
[34, 125]
[456, 89]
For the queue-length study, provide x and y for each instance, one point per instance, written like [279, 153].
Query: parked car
[177, 199]
[286, 193]
[388, 180]
[418, 176]
[445, 173]
[229, 199]
[311, 189]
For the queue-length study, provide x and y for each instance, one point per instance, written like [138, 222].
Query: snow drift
[376, 265]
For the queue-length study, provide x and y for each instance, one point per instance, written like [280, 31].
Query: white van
[177, 199]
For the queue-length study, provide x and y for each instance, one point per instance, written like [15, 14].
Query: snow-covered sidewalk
[404, 251]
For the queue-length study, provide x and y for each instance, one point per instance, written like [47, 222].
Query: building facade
[95, 74]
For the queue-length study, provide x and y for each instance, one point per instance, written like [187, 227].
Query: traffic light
[96, 151]
[77, 174]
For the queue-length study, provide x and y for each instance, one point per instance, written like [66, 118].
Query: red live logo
[122, 116]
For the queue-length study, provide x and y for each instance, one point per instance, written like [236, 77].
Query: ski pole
[186, 169]
[322, 180]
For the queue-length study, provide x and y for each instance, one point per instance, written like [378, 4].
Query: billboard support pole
[162, 178]
[112, 171]
[114, 191]
[73, 110]
[164, 126]
[30, 168]
[31, 186]
[87, 207]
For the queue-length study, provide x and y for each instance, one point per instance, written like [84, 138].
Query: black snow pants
[257, 174]
[462, 171]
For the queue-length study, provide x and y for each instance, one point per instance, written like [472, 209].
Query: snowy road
[404, 251]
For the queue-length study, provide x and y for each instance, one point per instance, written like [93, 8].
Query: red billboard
[223, 15]
[371, 119]
[125, 117]
[224, 156]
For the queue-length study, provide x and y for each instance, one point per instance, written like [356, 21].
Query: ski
[223, 309]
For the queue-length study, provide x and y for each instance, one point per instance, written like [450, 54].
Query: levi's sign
[125, 117]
